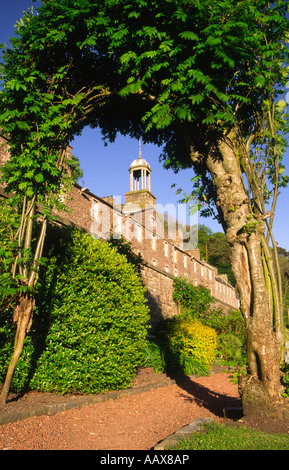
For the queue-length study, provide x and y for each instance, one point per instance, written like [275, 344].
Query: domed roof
[140, 162]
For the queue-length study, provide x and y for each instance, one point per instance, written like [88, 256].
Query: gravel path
[135, 422]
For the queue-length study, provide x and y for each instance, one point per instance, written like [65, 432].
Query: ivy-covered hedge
[194, 301]
[90, 323]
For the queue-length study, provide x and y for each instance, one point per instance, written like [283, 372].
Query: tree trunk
[23, 317]
[261, 389]
[24, 309]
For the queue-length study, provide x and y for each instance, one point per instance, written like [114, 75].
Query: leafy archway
[198, 77]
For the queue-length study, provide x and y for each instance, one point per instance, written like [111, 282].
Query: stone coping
[173, 439]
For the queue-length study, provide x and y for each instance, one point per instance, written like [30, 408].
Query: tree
[32, 104]
[215, 249]
[204, 234]
[203, 80]
[210, 75]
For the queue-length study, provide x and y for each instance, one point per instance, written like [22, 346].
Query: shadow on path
[214, 402]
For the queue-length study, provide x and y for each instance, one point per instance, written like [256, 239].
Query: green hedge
[194, 301]
[90, 324]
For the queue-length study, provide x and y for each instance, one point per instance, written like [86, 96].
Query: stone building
[139, 222]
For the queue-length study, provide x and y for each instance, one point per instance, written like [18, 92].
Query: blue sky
[106, 167]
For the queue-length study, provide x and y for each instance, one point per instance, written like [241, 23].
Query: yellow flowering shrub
[194, 343]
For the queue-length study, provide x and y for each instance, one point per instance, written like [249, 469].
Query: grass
[215, 436]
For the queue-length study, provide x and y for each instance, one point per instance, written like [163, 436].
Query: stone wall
[162, 257]
[161, 251]
[159, 294]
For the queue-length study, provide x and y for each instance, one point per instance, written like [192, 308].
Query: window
[118, 223]
[139, 233]
[154, 242]
[166, 248]
[175, 255]
[185, 261]
[95, 210]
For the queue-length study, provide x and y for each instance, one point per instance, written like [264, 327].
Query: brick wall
[162, 252]
[163, 258]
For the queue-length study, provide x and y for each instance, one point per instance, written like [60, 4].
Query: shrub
[90, 323]
[191, 345]
[230, 349]
[196, 302]
[124, 248]
[231, 335]
[193, 300]
[185, 344]
[154, 357]
[9, 220]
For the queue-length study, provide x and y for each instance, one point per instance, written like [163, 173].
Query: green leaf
[23, 125]
[197, 99]
[39, 178]
[214, 41]
[190, 35]
[134, 87]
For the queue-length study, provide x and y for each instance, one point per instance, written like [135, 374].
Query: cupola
[140, 183]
